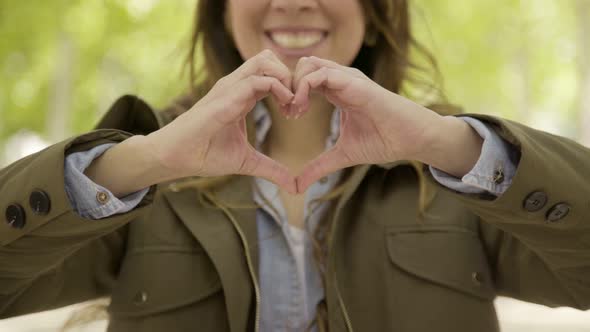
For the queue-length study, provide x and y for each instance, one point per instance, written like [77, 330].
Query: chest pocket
[153, 281]
[447, 255]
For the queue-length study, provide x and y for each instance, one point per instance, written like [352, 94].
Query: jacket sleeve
[50, 256]
[537, 233]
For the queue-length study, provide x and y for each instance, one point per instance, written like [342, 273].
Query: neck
[294, 142]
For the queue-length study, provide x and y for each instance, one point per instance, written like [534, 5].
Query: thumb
[326, 163]
[258, 165]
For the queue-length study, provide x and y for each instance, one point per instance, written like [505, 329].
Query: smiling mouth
[296, 40]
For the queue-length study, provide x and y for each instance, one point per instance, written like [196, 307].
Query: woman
[326, 221]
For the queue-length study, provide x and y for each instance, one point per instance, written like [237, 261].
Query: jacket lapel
[240, 196]
[218, 236]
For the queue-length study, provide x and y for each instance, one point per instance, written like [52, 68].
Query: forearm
[454, 147]
[127, 167]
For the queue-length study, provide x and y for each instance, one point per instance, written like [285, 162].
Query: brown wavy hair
[390, 56]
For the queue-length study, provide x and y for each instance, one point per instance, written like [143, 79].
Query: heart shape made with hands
[377, 126]
[311, 74]
[364, 120]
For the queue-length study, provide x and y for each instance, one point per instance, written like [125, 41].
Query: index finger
[307, 65]
[265, 63]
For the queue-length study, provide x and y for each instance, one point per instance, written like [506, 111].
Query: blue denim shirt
[290, 285]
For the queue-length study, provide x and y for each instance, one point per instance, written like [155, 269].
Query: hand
[210, 138]
[376, 126]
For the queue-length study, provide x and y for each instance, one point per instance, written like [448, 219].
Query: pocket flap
[446, 255]
[152, 282]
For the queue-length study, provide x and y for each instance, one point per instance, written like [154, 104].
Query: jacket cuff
[548, 186]
[43, 172]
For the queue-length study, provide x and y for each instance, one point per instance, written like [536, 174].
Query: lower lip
[295, 52]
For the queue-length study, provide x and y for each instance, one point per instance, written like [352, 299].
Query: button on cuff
[494, 170]
[39, 202]
[498, 176]
[535, 201]
[113, 205]
[15, 216]
[558, 212]
[102, 197]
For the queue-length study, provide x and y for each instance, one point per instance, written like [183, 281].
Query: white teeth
[296, 40]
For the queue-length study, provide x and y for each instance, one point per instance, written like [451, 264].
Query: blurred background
[63, 62]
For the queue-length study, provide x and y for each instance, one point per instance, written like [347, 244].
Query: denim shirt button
[102, 197]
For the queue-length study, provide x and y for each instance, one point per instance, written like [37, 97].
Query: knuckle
[259, 62]
[302, 62]
[269, 83]
[263, 56]
[357, 71]
[273, 80]
[221, 81]
[251, 81]
[257, 83]
[267, 53]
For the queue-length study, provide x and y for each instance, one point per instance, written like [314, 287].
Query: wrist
[453, 145]
[127, 167]
[154, 168]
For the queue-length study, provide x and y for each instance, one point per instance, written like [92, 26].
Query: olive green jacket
[172, 264]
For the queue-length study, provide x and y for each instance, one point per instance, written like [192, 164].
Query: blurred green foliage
[514, 58]
[113, 47]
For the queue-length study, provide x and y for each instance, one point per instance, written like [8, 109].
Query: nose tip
[294, 6]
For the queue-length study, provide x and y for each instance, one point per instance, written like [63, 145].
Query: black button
[40, 203]
[535, 201]
[558, 212]
[15, 216]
